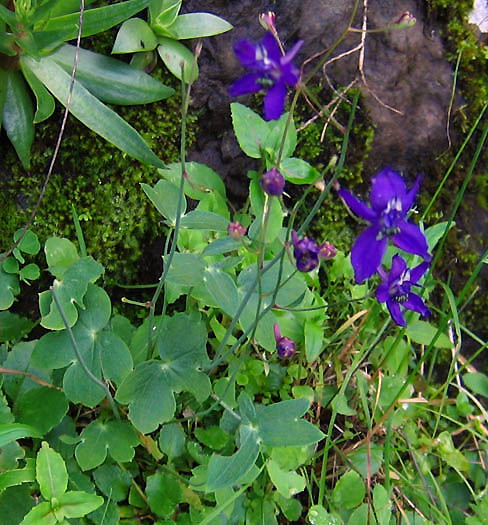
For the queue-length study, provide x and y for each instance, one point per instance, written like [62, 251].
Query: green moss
[99, 180]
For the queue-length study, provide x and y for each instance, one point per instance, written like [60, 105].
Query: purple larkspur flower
[269, 70]
[306, 253]
[327, 251]
[285, 346]
[395, 290]
[273, 182]
[390, 203]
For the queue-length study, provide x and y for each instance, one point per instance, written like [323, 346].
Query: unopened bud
[405, 20]
[267, 20]
[273, 182]
[327, 251]
[236, 230]
[284, 345]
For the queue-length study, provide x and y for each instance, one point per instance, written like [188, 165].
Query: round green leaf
[133, 36]
[172, 440]
[10, 265]
[349, 491]
[30, 272]
[60, 255]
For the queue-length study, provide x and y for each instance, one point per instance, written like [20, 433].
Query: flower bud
[327, 251]
[405, 20]
[236, 230]
[273, 183]
[284, 345]
[306, 252]
[267, 21]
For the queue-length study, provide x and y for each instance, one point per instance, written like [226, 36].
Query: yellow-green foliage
[99, 180]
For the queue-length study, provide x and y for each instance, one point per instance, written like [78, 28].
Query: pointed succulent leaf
[44, 99]
[90, 111]
[134, 36]
[78, 504]
[116, 438]
[198, 25]
[111, 80]
[178, 59]
[41, 514]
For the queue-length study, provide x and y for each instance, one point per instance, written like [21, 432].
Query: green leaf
[382, 504]
[224, 471]
[90, 111]
[115, 357]
[31, 272]
[148, 395]
[213, 437]
[163, 494]
[349, 491]
[275, 137]
[18, 476]
[477, 382]
[341, 406]
[79, 504]
[70, 291]
[15, 503]
[449, 453]
[199, 179]
[250, 130]
[12, 431]
[288, 483]
[164, 195]
[99, 438]
[298, 171]
[111, 80]
[45, 101]
[13, 327]
[42, 408]
[172, 440]
[360, 516]
[41, 514]
[164, 12]
[51, 473]
[9, 288]
[174, 54]
[20, 358]
[95, 20]
[133, 36]
[222, 289]
[204, 220]
[314, 337]
[198, 25]
[223, 245]
[361, 458]
[10, 265]
[18, 116]
[29, 243]
[279, 424]
[113, 482]
[60, 255]
[186, 269]
[434, 233]
[422, 333]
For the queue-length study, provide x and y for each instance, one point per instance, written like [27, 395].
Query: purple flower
[273, 182]
[306, 253]
[390, 203]
[269, 70]
[396, 286]
[236, 230]
[284, 345]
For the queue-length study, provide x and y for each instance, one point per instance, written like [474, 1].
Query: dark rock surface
[405, 69]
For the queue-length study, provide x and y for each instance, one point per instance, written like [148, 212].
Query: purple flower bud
[236, 230]
[284, 345]
[273, 182]
[327, 251]
[306, 252]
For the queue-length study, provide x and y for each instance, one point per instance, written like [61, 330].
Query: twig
[30, 376]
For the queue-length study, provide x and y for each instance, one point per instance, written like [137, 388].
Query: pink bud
[236, 230]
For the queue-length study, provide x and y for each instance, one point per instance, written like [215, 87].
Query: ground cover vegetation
[270, 375]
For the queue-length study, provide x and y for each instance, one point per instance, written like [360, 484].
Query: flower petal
[272, 48]
[411, 239]
[289, 74]
[246, 84]
[246, 53]
[291, 54]
[415, 303]
[398, 266]
[356, 206]
[412, 193]
[417, 272]
[386, 185]
[383, 293]
[274, 102]
[396, 313]
[367, 253]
